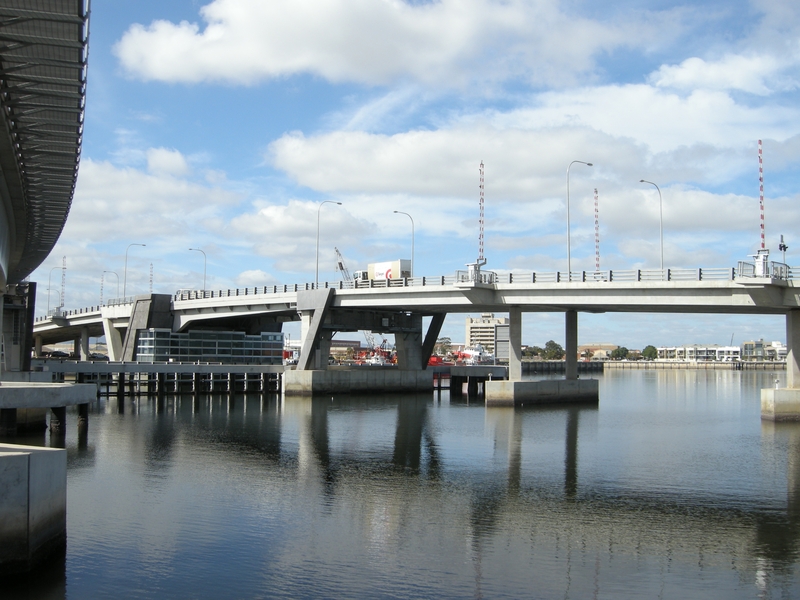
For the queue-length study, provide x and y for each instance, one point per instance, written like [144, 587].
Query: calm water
[671, 488]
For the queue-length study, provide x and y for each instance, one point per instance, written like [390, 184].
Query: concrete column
[8, 421]
[793, 346]
[37, 345]
[571, 349]
[58, 419]
[515, 344]
[408, 346]
[84, 343]
[113, 341]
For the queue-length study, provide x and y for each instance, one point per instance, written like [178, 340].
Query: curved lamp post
[400, 212]
[49, 275]
[125, 272]
[204, 268]
[569, 257]
[661, 219]
[117, 276]
[316, 271]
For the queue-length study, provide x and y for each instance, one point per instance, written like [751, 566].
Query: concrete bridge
[399, 307]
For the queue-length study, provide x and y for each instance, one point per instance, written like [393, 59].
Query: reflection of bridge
[519, 485]
[398, 307]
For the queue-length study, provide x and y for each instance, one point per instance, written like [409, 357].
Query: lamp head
[589, 165]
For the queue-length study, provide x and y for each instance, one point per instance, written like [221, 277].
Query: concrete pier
[33, 506]
[34, 399]
[547, 391]
[784, 404]
[356, 381]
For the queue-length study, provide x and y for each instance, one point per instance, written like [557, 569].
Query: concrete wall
[33, 505]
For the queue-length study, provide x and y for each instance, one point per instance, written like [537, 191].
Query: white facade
[700, 353]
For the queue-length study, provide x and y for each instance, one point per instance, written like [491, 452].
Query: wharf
[145, 378]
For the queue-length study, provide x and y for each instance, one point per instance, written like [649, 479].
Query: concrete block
[780, 404]
[33, 505]
[356, 381]
[548, 391]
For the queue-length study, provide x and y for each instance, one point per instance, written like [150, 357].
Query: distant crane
[341, 267]
[348, 278]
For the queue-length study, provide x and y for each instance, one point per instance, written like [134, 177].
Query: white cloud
[755, 74]
[165, 161]
[254, 277]
[111, 202]
[445, 43]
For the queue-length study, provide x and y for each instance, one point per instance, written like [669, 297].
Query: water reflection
[687, 495]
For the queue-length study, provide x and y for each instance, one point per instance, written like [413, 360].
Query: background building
[483, 330]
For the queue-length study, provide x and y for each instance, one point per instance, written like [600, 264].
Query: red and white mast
[761, 191]
[596, 233]
[481, 260]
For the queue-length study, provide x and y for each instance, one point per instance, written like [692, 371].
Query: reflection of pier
[385, 461]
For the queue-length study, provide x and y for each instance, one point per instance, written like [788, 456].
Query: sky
[224, 125]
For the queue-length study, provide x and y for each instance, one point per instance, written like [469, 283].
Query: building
[483, 330]
[700, 353]
[758, 350]
[597, 351]
[230, 347]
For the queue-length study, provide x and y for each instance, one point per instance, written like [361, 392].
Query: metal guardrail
[742, 271]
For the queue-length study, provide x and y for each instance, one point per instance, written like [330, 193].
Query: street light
[316, 272]
[400, 212]
[661, 219]
[48, 299]
[125, 272]
[117, 276]
[569, 257]
[204, 269]
[49, 275]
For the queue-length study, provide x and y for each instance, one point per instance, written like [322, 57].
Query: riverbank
[537, 367]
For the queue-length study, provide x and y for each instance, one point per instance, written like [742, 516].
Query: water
[671, 488]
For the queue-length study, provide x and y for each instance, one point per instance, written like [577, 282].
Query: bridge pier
[784, 404]
[516, 392]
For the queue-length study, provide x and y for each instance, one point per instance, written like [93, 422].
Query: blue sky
[222, 125]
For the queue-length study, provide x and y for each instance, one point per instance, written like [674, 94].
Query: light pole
[661, 219]
[204, 269]
[48, 298]
[569, 257]
[316, 272]
[125, 272]
[49, 275]
[117, 276]
[400, 212]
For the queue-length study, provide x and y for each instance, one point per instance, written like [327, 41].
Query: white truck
[393, 269]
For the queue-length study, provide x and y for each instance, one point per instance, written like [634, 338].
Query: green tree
[443, 346]
[553, 351]
[619, 353]
[649, 353]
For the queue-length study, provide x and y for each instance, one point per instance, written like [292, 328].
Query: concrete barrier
[33, 505]
[548, 391]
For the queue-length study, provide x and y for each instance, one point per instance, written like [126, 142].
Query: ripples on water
[671, 488]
